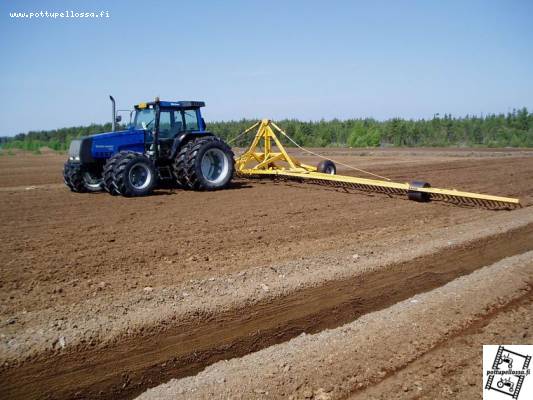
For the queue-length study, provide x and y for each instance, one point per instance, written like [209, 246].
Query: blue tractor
[167, 141]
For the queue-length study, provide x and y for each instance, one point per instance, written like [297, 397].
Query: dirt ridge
[187, 346]
[333, 363]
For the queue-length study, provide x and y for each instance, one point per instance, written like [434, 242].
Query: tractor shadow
[172, 188]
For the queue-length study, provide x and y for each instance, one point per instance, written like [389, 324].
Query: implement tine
[386, 187]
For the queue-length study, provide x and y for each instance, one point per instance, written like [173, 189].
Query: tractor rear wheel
[208, 164]
[180, 165]
[134, 175]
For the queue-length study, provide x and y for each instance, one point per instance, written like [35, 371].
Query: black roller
[419, 196]
[327, 167]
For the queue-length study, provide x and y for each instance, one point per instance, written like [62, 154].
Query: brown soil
[453, 370]
[58, 247]
[108, 273]
[373, 355]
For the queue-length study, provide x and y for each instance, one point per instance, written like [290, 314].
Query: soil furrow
[335, 363]
[132, 365]
[453, 368]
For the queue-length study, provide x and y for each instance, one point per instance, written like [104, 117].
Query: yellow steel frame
[260, 160]
[266, 158]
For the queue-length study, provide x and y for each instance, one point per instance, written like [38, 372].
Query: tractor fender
[183, 138]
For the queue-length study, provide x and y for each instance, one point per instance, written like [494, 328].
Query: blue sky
[295, 59]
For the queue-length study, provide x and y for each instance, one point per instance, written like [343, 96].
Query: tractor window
[170, 123]
[165, 125]
[191, 120]
[177, 122]
[144, 119]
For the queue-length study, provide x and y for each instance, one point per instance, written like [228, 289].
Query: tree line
[55, 139]
[514, 129]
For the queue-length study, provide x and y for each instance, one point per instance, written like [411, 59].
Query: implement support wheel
[421, 197]
[327, 167]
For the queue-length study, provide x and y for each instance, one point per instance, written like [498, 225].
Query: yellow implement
[261, 161]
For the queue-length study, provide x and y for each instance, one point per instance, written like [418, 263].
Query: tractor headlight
[74, 150]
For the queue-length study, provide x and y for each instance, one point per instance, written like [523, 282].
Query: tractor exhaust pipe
[114, 113]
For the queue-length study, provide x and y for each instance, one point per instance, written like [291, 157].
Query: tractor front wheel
[80, 180]
[108, 174]
[205, 163]
[134, 175]
[92, 181]
[73, 177]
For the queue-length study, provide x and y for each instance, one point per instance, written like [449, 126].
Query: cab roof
[172, 104]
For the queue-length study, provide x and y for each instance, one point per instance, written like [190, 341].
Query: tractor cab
[166, 122]
[171, 118]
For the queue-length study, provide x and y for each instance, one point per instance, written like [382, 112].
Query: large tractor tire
[207, 164]
[81, 180]
[73, 177]
[109, 170]
[180, 165]
[134, 175]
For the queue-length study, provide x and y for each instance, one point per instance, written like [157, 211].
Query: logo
[506, 372]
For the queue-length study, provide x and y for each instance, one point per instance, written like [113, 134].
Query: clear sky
[296, 59]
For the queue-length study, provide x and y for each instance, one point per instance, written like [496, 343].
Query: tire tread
[188, 164]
